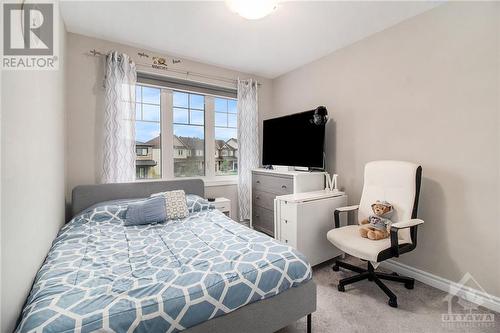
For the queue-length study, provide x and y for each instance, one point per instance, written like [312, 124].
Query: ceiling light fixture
[252, 9]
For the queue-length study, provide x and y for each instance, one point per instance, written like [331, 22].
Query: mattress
[101, 275]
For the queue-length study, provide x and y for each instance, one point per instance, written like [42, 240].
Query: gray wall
[425, 90]
[85, 106]
[32, 175]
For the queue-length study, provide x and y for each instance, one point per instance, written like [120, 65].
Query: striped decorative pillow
[147, 211]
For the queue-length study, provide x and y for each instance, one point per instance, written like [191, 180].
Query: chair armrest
[407, 224]
[347, 208]
[395, 227]
[339, 210]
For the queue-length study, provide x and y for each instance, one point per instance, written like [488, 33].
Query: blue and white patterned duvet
[101, 275]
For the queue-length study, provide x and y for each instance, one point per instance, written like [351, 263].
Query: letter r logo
[28, 29]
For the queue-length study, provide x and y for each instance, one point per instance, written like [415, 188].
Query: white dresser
[303, 219]
[267, 184]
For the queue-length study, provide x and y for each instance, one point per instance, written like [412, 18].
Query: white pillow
[175, 204]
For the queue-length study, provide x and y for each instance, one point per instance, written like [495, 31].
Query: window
[189, 133]
[226, 123]
[147, 132]
[180, 117]
[141, 151]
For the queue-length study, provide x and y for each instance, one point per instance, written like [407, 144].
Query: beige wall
[425, 90]
[32, 176]
[85, 104]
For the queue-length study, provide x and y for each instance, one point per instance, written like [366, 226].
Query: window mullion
[209, 137]
[167, 134]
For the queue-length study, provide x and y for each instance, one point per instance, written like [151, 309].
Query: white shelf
[309, 196]
[302, 220]
[290, 173]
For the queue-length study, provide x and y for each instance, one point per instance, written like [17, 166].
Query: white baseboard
[474, 295]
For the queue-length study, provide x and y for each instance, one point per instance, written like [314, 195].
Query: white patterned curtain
[248, 142]
[119, 119]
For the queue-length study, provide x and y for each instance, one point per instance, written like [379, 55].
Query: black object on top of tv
[295, 140]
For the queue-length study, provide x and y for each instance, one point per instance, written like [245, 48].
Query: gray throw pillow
[147, 211]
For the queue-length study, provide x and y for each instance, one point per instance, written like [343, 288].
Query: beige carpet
[363, 307]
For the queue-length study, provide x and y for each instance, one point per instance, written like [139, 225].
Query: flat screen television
[293, 140]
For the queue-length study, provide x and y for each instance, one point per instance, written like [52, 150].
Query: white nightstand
[224, 205]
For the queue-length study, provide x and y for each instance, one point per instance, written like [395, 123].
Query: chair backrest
[398, 183]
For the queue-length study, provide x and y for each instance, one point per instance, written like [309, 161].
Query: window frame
[167, 135]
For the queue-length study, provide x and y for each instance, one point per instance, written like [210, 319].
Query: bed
[204, 273]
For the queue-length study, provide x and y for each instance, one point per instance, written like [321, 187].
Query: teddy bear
[377, 226]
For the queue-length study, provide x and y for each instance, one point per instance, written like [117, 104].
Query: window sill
[220, 181]
[209, 181]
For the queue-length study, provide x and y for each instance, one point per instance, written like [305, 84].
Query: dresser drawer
[263, 220]
[271, 183]
[263, 199]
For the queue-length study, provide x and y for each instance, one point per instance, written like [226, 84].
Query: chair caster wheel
[393, 303]
[409, 285]
[341, 288]
[335, 268]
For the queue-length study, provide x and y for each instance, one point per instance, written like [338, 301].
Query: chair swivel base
[376, 277]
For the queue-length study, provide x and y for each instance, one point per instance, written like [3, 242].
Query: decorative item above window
[159, 63]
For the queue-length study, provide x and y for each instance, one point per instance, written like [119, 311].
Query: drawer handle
[257, 216]
[258, 181]
[283, 186]
[286, 221]
[257, 197]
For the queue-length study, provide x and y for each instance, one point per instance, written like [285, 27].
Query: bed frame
[268, 315]
[84, 196]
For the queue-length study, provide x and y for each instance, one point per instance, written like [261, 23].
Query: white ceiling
[296, 33]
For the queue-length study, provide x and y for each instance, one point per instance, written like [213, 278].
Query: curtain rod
[95, 53]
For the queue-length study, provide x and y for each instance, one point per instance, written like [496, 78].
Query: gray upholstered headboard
[84, 196]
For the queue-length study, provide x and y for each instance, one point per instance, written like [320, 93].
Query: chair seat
[348, 240]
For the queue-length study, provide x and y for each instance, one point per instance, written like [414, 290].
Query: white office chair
[398, 183]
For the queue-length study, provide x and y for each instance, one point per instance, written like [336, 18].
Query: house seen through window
[189, 134]
[226, 142]
[147, 132]
[186, 114]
